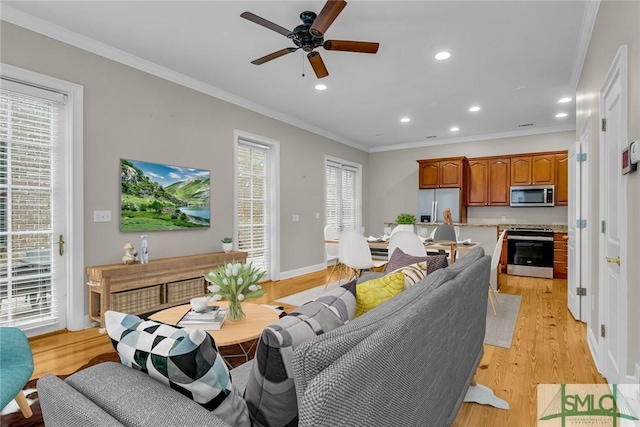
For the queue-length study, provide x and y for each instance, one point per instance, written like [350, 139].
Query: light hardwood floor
[548, 346]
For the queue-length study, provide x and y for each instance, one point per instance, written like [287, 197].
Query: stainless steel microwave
[532, 195]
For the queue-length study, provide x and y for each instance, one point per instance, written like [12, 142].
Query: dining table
[452, 247]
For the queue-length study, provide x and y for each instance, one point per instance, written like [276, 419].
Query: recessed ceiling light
[405, 120]
[441, 56]
[563, 100]
[321, 87]
[474, 109]
[454, 129]
[561, 115]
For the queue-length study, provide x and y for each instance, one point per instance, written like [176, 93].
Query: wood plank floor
[548, 346]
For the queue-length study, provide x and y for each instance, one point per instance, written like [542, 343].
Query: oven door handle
[536, 238]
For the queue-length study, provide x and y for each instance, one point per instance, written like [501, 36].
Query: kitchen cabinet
[560, 255]
[538, 169]
[442, 173]
[489, 182]
[562, 179]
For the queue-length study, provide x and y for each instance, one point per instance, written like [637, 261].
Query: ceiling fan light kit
[310, 35]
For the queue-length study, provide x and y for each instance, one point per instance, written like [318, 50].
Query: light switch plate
[101, 216]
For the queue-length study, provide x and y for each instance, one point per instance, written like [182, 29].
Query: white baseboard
[592, 342]
[300, 271]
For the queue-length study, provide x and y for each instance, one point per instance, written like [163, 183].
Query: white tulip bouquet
[237, 282]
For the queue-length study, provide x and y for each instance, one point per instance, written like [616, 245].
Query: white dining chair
[408, 242]
[354, 252]
[402, 227]
[332, 233]
[493, 275]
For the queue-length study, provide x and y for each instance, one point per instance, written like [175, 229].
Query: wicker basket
[184, 290]
[137, 300]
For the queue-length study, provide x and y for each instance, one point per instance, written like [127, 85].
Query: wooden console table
[142, 288]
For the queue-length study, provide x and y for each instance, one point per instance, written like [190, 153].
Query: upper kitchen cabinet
[488, 182]
[562, 179]
[442, 173]
[536, 169]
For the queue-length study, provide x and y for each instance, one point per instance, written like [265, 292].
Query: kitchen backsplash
[508, 215]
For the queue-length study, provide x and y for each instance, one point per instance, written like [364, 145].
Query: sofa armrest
[64, 406]
[134, 398]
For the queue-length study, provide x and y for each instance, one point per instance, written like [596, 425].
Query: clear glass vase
[236, 314]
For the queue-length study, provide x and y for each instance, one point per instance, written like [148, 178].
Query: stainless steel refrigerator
[433, 202]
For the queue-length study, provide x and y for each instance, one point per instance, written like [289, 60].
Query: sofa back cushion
[187, 360]
[270, 393]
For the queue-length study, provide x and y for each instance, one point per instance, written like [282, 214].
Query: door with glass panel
[253, 219]
[32, 199]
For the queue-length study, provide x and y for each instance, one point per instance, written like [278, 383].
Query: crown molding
[472, 138]
[88, 44]
[584, 38]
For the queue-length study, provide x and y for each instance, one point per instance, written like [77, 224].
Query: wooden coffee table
[232, 333]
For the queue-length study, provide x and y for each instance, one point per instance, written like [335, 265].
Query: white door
[33, 199]
[574, 300]
[612, 242]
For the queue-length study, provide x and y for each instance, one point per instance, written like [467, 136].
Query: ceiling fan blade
[317, 64]
[267, 24]
[328, 14]
[351, 46]
[274, 55]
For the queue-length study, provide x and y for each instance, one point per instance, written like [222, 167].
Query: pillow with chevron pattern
[186, 360]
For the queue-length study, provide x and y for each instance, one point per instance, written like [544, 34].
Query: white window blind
[28, 132]
[253, 211]
[341, 196]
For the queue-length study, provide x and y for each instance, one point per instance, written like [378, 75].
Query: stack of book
[210, 320]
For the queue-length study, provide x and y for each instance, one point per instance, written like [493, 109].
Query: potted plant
[405, 222]
[227, 244]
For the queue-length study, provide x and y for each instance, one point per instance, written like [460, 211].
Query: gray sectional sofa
[408, 362]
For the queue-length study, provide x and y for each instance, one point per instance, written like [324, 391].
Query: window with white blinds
[342, 196]
[253, 221]
[28, 131]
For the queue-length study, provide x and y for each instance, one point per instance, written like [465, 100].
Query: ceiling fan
[310, 35]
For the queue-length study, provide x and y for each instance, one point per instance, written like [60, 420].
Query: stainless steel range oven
[530, 252]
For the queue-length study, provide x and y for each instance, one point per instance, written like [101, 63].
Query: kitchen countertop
[557, 228]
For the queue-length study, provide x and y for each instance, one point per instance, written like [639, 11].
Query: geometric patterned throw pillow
[271, 392]
[187, 360]
[341, 300]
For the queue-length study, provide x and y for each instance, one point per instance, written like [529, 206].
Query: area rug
[309, 294]
[501, 326]
[499, 330]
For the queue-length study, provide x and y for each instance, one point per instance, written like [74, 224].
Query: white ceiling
[515, 59]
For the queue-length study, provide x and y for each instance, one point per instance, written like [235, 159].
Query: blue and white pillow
[187, 360]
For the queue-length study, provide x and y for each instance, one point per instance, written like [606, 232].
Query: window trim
[358, 168]
[76, 318]
[273, 181]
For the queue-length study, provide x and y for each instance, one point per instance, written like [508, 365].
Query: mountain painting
[163, 197]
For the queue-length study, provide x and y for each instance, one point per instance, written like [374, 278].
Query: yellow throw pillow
[372, 293]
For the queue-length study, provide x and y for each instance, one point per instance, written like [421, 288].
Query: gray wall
[394, 177]
[132, 114]
[617, 23]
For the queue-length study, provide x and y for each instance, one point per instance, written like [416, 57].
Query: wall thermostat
[634, 152]
[628, 164]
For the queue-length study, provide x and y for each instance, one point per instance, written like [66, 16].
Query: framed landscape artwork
[154, 196]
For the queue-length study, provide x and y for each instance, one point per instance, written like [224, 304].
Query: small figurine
[448, 219]
[129, 256]
[144, 250]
